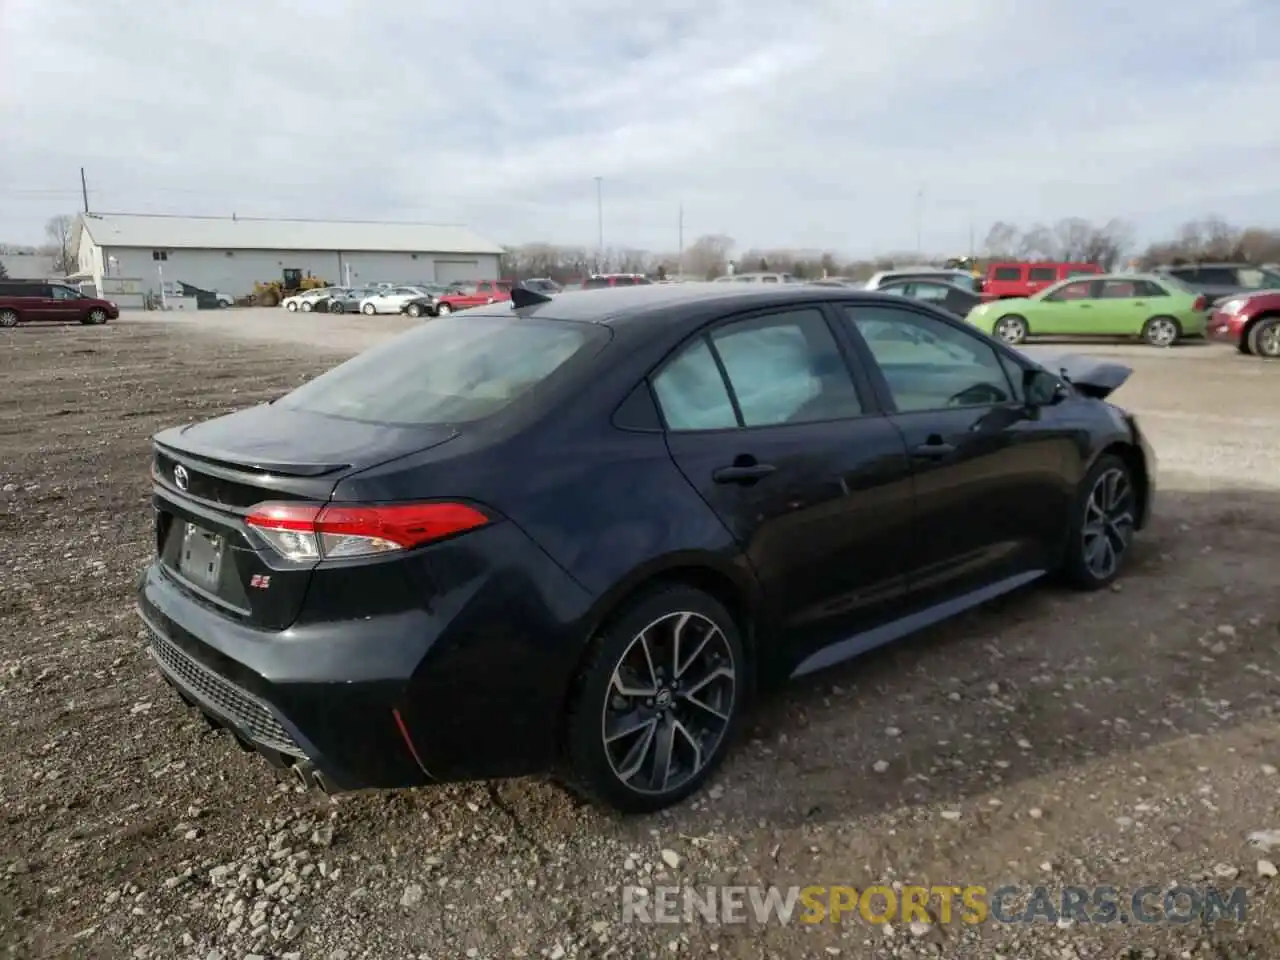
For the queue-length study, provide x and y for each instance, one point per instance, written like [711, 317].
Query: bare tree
[4, 274]
[1002, 240]
[708, 256]
[59, 231]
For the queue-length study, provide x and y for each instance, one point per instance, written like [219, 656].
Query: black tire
[1162, 331]
[8, 318]
[1264, 338]
[443, 310]
[292, 306]
[336, 308]
[94, 316]
[1011, 329]
[368, 309]
[670, 717]
[306, 307]
[1116, 527]
[414, 310]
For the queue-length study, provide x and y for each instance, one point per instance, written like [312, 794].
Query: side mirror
[1041, 388]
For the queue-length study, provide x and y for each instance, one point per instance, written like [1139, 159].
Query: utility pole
[680, 234]
[920, 221]
[84, 190]
[599, 222]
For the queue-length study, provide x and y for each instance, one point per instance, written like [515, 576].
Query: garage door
[452, 271]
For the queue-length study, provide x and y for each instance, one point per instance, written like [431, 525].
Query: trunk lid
[206, 477]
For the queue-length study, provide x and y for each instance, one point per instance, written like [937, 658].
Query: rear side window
[1043, 274]
[1007, 274]
[1117, 290]
[1216, 276]
[452, 370]
[784, 368]
[595, 283]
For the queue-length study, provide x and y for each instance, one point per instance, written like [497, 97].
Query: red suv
[599, 280]
[1021, 279]
[1251, 322]
[26, 301]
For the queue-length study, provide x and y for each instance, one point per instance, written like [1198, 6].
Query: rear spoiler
[1089, 375]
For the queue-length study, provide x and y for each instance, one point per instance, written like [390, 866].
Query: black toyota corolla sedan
[575, 535]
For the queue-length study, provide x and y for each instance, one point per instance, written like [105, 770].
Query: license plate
[200, 560]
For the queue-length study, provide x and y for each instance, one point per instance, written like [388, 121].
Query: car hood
[1090, 375]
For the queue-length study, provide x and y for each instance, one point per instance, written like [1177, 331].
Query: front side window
[1007, 274]
[1043, 274]
[1070, 291]
[452, 370]
[929, 364]
[64, 293]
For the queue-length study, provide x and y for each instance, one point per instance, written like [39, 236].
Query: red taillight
[1201, 303]
[311, 531]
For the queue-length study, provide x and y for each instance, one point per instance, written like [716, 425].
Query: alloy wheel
[1010, 329]
[669, 704]
[444, 309]
[8, 318]
[1268, 341]
[1162, 332]
[1108, 523]
[97, 316]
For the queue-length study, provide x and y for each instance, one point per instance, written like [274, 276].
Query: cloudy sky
[843, 125]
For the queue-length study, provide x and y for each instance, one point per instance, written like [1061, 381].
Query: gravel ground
[1124, 739]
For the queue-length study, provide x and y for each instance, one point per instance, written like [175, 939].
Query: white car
[307, 299]
[389, 301]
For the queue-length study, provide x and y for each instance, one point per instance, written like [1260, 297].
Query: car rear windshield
[451, 370]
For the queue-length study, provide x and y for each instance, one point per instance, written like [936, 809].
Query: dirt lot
[1123, 739]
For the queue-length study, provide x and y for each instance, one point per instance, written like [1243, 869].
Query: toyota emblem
[180, 477]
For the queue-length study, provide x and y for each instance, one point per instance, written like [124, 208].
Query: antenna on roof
[524, 297]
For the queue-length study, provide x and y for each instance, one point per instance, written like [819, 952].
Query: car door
[766, 421]
[1120, 308]
[1038, 278]
[65, 304]
[992, 479]
[1063, 311]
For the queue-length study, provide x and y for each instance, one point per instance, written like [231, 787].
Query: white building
[231, 254]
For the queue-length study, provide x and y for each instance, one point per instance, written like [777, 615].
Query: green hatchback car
[1158, 309]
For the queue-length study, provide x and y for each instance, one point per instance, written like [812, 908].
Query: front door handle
[934, 448]
[742, 473]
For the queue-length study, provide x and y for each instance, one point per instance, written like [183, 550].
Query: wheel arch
[732, 587]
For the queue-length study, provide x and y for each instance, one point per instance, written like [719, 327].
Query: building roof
[28, 266]
[251, 233]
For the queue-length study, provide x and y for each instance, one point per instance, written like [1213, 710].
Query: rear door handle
[742, 474]
[934, 449]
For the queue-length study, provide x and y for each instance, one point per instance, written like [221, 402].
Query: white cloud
[811, 126]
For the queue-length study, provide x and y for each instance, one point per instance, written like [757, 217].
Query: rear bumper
[467, 683]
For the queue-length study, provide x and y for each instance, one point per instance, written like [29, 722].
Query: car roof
[663, 303]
